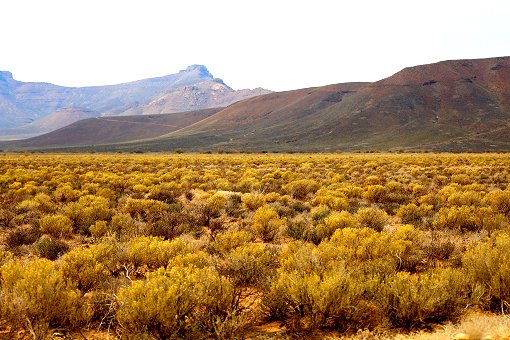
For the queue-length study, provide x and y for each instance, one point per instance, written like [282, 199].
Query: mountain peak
[200, 69]
[5, 75]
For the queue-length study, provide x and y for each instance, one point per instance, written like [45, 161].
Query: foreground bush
[183, 302]
[488, 265]
[414, 300]
[35, 296]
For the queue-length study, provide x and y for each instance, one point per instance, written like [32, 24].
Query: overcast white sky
[275, 44]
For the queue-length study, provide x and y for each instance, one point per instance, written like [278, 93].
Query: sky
[274, 44]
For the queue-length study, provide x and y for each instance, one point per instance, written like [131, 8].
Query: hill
[24, 107]
[106, 130]
[459, 105]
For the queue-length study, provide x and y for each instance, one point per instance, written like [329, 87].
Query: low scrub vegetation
[208, 246]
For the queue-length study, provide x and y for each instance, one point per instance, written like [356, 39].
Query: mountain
[23, 105]
[456, 105]
[107, 130]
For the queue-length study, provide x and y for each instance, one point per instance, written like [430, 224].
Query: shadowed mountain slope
[106, 130]
[460, 105]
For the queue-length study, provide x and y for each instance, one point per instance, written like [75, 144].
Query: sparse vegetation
[208, 246]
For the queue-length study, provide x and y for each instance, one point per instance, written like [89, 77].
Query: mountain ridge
[23, 103]
[456, 105]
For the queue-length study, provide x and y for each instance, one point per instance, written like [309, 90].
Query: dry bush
[248, 265]
[413, 214]
[253, 201]
[487, 264]
[300, 189]
[183, 302]
[415, 300]
[23, 235]
[34, 295]
[51, 248]
[372, 217]
[229, 240]
[334, 300]
[154, 252]
[85, 267]
[267, 224]
[56, 226]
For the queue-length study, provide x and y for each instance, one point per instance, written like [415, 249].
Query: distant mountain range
[33, 108]
[459, 105]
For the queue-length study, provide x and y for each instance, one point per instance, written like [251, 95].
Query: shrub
[469, 218]
[299, 227]
[22, 235]
[414, 300]
[302, 188]
[267, 224]
[51, 248]
[34, 295]
[340, 220]
[319, 213]
[248, 265]
[253, 201]
[145, 208]
[411, 213]
[99, 229]
[375, 193]
[372, 217]
[154, 252]
[229, 240]
[499, 200]
[335, 200]
[488, 264]
[5, 256]
[84, 269]
[309, 301]
[165, 192]
[56, 226]
[182, 302]
[86, 211]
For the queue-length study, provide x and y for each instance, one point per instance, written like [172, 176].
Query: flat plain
[158, 246]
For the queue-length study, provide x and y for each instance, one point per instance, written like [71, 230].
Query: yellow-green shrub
[267, 224]
[154, 252]
[302, 188]
[312, 301]
[411, 213]
[414, 300]
[50, 247]
[335, 200]
[228, 240]
[144, 208]
[499, 200]
[56, 225]
[375, 193]
[488, 264]
[319, 213]
[372, 217]
[248, 265]
[35, 295]
[87, 210]
[340, 220]
[253, 201]
[181, 302]
[84, 269]
[99, 229]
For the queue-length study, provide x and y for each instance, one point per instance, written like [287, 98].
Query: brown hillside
[105, 130]
[460, 105]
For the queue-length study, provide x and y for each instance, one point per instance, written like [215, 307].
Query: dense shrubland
[208, 246]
